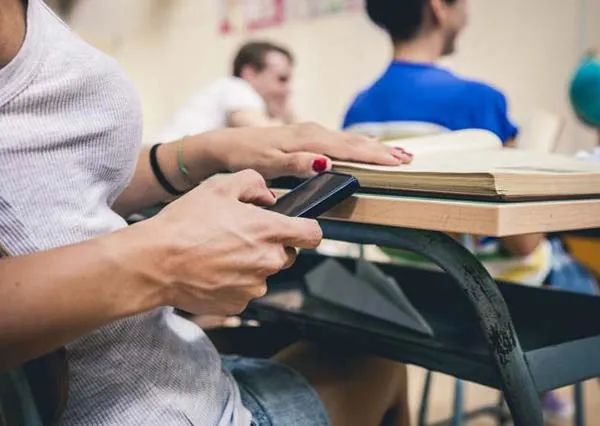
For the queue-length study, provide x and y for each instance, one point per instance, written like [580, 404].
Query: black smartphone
[317, 195]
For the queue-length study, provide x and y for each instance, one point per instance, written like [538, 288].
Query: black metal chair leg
[503, 417]
[579, 404]
[481, 291]
[425, 400]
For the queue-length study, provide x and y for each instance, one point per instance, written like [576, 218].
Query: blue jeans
[275, 394]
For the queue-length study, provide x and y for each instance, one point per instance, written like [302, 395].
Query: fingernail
[402, 155]
[319, 165]
[273, 194]
[397, 148]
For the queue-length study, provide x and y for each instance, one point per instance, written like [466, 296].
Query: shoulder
[487, 107]
[233, 84]
[358, 111]
[236, 93]
[481, 93]
[367, 100]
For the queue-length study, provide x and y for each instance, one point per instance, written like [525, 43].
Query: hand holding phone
[311, 199]
[317, 195]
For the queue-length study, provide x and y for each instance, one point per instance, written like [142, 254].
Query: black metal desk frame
[479, 288]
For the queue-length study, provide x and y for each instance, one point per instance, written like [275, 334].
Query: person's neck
[12, 29]
[424, 50]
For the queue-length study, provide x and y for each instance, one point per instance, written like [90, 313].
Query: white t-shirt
[208, 109]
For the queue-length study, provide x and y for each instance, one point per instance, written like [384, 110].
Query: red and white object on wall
[249, 15]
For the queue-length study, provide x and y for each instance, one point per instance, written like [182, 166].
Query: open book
[474, 163]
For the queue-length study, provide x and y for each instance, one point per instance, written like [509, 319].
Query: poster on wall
[248, 15]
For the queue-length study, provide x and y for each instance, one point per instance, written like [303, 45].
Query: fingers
[364, 149]
[306, 164]
[302, 164]
[291, 255]
[347, 146]
[246, 186]
[294, 232]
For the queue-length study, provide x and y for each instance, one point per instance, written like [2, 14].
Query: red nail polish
[273, 194]
[397, 157]
[319, 165]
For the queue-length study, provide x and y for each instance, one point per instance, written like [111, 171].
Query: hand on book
[301, 150]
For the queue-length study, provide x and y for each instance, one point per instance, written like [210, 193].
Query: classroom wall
[172, 47]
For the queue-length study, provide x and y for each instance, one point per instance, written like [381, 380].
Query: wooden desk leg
[481, 291]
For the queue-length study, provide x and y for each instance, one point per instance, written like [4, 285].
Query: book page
[505, 161]
[540, 133]
[460, 141]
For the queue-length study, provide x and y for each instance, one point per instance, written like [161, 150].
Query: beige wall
[171, 48]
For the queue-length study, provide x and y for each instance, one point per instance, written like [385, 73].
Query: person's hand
[223, 247]
[301, 150]
[280, 110]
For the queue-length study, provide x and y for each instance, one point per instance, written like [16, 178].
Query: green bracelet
[182, 168]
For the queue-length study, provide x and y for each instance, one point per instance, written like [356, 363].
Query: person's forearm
[297, 150]
[50, 298]
[199, 158]
[289, 117]
[522, 245]
[251, 118]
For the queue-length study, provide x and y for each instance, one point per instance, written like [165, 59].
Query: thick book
[474, 163]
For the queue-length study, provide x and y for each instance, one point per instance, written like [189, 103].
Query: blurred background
[170, 48]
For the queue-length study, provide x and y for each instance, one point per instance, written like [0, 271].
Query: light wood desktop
[482, 218]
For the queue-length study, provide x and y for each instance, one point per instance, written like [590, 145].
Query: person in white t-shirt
[257, 94]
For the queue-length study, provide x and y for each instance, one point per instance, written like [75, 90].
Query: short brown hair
[253, 54]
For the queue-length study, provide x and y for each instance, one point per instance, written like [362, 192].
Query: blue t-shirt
[423, 93]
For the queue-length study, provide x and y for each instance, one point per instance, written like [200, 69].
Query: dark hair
[402, 19]
[254, 53]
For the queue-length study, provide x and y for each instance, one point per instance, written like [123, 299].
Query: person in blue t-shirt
[413, 89]
[415, 96]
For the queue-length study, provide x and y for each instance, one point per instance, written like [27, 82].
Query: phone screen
[317, 195]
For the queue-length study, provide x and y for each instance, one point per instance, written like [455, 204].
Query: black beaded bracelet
[159, 175]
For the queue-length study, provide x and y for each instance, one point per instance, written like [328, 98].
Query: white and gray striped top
[70, 126]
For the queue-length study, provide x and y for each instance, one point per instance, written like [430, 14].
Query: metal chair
[498, 411]
[485, 332]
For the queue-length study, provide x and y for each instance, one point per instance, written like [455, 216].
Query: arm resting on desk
[517, 245]
[522, 245]
[251, 117]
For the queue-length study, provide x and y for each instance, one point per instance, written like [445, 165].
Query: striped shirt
[70, 129]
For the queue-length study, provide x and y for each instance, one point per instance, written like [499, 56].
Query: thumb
[246, 186]
[304, 164]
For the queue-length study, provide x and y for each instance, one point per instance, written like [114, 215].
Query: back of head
[405, 20]
[253, 54]
[401, 19]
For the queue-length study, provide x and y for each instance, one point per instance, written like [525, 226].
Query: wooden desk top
[472, 217]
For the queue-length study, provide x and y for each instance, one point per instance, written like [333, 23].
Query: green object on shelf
[584, 91]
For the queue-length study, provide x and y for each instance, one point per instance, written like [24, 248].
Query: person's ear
[440, 11]
[248, 72]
